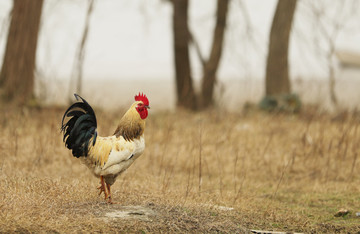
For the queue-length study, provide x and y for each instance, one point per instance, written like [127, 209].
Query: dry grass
[278, 172]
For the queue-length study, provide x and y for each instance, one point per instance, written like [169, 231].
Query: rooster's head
[141, 105]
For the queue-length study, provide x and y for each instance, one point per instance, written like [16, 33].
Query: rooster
[106, 157]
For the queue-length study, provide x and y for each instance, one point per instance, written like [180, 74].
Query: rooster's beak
[148, 107]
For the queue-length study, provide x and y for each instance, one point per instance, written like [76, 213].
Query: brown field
[278, 172]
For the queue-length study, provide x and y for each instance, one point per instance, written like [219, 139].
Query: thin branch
[196, 46]
[81, 50]
[81, 53]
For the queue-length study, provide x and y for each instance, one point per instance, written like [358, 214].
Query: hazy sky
[132, 39]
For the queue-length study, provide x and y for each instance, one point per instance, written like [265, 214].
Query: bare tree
[210, 67]
[182, 36]
[329, 27]
[185, 92]
[17, 72]
[277, 71]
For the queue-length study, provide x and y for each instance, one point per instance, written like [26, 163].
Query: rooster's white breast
[122, 155]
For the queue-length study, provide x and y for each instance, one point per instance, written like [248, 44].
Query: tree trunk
[277, 72]
[185, 92]
[212, 64]
[17, 73]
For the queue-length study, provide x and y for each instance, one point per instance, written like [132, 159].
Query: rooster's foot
[102, 188]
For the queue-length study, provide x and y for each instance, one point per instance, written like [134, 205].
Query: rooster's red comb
[142, 97]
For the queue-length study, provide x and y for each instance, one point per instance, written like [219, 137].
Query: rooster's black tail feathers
[80, 128]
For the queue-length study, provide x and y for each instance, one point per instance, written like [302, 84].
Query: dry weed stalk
[200, 152]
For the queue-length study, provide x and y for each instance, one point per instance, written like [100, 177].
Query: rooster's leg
[102, 187]
[109, 193]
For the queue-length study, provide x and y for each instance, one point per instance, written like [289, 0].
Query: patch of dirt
[130, 212]
[112, 212]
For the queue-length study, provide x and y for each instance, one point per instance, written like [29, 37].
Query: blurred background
[190, 53]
